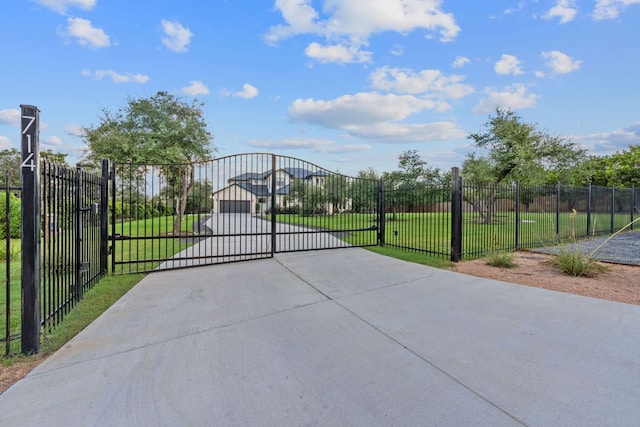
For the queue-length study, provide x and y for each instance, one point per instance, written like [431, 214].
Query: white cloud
[513, 97]
[52, 140]
[75, 130]
[301, 18]
[315, 144]
[116, 77]
[61, 6]
[560, 63]
[358, 109]
[349, 23]
[520, 6]
[460, 61]
[374, 116]
[429, 83]
[86, 34]
[248, 91]
[4, 142]
[195, 88]
[10, 116]
[609, 142]
[564, 10]
[337, 53]
[176, 37]
[409, 132]
[508, 65]
[397, 50]
[611, 9]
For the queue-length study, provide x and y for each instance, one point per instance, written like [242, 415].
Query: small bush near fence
[14, 222]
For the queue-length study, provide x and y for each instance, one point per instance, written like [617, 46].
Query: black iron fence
[74, 237]
[71, 248]
[469, 220]
[251, 206]
[254, 205]
[9, 252]
[235, 208]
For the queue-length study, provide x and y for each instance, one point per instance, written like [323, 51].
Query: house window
[279, 182]
[262, 200]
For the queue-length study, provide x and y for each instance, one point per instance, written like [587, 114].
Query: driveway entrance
[235, 208]
[339, 338]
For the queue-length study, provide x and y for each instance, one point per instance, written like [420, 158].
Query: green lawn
[431, 232]
[148, 242]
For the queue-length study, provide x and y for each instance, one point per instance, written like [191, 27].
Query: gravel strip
[622, 249]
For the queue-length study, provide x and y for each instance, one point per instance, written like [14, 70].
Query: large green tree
[521, 151]
[516, 151]
[621, 169]
[309, 198]
[336, 192]
[406, 187]
[10, 160]
[162, 129]
[364, 190]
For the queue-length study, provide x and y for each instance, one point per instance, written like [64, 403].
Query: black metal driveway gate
[235, 208]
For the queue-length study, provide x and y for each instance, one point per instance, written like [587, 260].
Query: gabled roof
[283, 191]
[258, 190]
[300, 173]
[249, 175]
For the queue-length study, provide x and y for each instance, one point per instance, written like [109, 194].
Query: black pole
[613, 203]
[382, 220]
[30, 174]
[112, 249]
[104, 217]
[517, 242]
[633, 205]
[7, 219]
[456, 215]
[78, 238]
[273, 205]
[589, 210]
[558, 211]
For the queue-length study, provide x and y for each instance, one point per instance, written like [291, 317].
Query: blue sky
[346, 84]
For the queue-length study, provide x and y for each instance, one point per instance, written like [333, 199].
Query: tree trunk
[488, 219]
[186, 184]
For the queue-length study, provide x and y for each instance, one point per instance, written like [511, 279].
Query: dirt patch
[18, 370]
[620, 283]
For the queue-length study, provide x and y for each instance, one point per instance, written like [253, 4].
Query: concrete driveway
[339, 338]
[241, 237]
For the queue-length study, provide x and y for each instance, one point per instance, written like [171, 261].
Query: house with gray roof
[251, 192]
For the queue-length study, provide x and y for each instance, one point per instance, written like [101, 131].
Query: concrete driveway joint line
[344, 337]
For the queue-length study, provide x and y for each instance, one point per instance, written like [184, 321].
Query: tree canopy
[409, 183]
[621, 169]
[161, 129]
[520, 151]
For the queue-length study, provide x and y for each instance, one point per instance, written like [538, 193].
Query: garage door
[235, 206]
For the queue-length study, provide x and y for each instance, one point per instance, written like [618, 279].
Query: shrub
[15, 229]
[575, 263]
[503, 260]
[3, 252]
